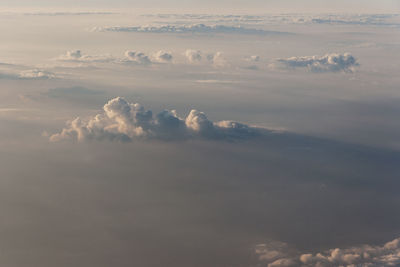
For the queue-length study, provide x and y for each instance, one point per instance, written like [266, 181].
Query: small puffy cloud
[218, 60]
[193, 55]
[124, 121]
[162, 56]
[327, 63]
[136, 57]
[253, 58]
[36, 74]
[276, 254]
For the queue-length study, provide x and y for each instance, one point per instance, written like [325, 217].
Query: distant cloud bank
[278, 254]
[190, 28]
[327, 63]
[124, 121]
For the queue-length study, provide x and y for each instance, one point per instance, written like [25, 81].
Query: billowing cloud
[327, 63]
[163, 56]
[124, 121]
[279, 254]
[190, 28]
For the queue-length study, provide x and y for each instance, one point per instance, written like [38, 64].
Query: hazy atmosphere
[199, 133]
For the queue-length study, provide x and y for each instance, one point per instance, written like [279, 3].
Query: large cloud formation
[279, 254]
[124, 121]
[327, 63]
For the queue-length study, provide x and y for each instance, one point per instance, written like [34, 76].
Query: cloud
[274, 19]
[218, 60]
[77, 56]
[279, 254]
[253, 58]
[36, 74]
[193, 55]
[124, 121]
[136, 57]
[327, 63]
[363, 19]
[190, 28]
[163, 57]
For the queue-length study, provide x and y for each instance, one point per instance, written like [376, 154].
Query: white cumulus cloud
[124, 121]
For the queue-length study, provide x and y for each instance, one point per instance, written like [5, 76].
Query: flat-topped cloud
[124, 121]
[327, 63]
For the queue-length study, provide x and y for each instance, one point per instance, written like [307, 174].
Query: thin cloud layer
[279, 254]
[387, 20]
[124, 121]
[327, 63]
[190, 28]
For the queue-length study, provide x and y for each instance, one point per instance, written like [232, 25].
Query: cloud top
[124, 121]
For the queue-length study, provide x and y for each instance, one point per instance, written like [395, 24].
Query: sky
[268, 6]
[240, 134]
